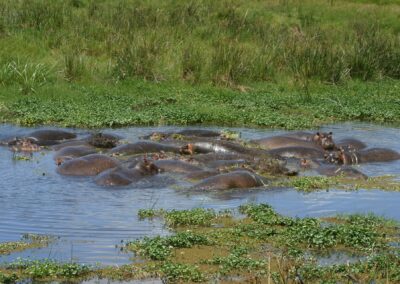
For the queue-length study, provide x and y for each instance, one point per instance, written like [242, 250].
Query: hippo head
[147, 167]
[158, 136]
[324, 139]
[25, 145]
[336, 157]
[188, 149]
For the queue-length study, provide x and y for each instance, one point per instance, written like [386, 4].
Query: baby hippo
[121, 176]
[373, 155]
[236, 179]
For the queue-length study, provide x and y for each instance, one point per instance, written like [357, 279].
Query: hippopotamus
[317, 141]
[23, 145]
[176, 166]
[350, 143]
[236, 179]
[298, 152]
[210, 157]
[221, 164]
[346, 171]
[89, 165]
[71, 152]
[121, 176]
[103, 140]
[158, 136]
[201, 174]
[332, 170]
[49, 137]
[143, 147]
[349, 157]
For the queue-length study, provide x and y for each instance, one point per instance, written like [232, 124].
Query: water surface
[91, 221]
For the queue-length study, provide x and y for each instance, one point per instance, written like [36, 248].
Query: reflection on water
[91, 221]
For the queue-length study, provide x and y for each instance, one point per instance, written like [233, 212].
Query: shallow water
[91, 221]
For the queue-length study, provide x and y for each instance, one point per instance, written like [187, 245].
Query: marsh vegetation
[163, 62]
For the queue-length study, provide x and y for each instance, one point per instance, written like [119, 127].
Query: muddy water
[91, 221]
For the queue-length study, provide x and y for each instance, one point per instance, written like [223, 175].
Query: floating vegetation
[27, 241]
[316, 183]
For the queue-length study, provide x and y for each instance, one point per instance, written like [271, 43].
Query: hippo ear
[317, 134]
[330, 134]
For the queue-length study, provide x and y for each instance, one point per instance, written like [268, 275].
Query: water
[91, 221]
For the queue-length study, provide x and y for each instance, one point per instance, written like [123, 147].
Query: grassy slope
[289, 64]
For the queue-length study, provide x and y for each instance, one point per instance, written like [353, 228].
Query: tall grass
[220, 42]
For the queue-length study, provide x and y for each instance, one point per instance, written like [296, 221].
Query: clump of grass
[160, 248]
[175, 218]
[74, 66]
[310, 183]
[178, 272]
[28, 76]
[49, 268]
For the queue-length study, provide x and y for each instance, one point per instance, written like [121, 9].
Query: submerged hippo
[143, 147]
[121, 176]
[202, 174]
[103, 140]
[48, 137]
[71, 152]
[176, 166]
[298, 152]
[346, 157]
[350, 143]
[158, 136]
[317, 141]
[332, 170]
[23, 145]
[236, 179]
[89, 165]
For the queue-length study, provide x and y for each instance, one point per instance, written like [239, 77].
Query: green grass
[290, 64]
[145, 103]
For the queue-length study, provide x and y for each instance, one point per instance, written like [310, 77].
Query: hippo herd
[209, 159]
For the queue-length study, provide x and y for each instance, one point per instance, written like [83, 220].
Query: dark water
[91, 220]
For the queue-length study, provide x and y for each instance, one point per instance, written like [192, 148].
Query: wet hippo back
[143, 147]
[71, 152]
[298, 152]
[378, 155]
[236, 179]
[283, 142]
[90, 165]
[346, 171]
[350, 143]
[49, 137]
[176, 166]
[373, 155]
[121, 176]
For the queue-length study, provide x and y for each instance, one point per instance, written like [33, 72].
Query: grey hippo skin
[350, 143]
[317, 141]
[50, 137]
[346, 171]
[373, 155]
[103, 140]
[236, 179]
[122, 176]
[90, 165]
[143, 147]
[71, 152]
[298, 152]
[184, 132]
[176, 166]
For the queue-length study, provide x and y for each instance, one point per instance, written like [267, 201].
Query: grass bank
[274, 63]
[147, 103]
